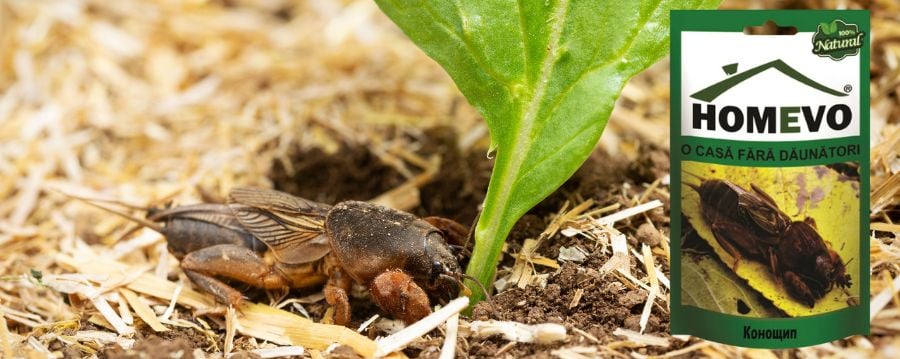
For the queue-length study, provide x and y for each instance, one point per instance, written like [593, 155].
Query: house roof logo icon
[715, 90]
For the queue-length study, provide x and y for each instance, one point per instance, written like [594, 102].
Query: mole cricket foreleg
[395, 292]
[798, 288]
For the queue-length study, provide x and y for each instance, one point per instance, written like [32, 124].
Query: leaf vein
[559, 99]
[565, 93]
[712, 294]
[524, 41]
[464, 39]
[581, 132]
[541, 84]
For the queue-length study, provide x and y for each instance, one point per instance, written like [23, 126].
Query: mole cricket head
[436, 269]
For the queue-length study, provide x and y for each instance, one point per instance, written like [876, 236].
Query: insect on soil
[271, 240]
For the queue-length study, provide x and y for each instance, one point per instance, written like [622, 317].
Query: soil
[153, 348]
[605, 306]
[354, 173]
[456, 192]
[178, 342]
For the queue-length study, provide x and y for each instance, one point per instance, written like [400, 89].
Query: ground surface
[150, 102]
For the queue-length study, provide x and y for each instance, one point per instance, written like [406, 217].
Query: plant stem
[483, 264]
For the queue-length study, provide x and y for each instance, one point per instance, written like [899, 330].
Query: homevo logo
[767, 119]
[837, 40]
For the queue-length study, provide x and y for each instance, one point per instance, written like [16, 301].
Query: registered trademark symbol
[848, 88]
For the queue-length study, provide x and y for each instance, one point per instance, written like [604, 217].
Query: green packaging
[769, 173]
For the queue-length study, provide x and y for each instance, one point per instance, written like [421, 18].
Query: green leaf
[706, 283]
[545, 75]
[826, 28]
[834, 27]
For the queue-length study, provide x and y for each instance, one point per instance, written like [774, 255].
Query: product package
[770, 176]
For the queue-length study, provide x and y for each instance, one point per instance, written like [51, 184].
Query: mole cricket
[270, 239]
[750, 224]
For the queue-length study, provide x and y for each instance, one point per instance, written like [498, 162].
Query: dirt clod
[648, 235]
[633, 322]
[244, 355]
[153, 348]
[632, 299]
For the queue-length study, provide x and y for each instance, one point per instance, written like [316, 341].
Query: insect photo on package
[770, 164]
